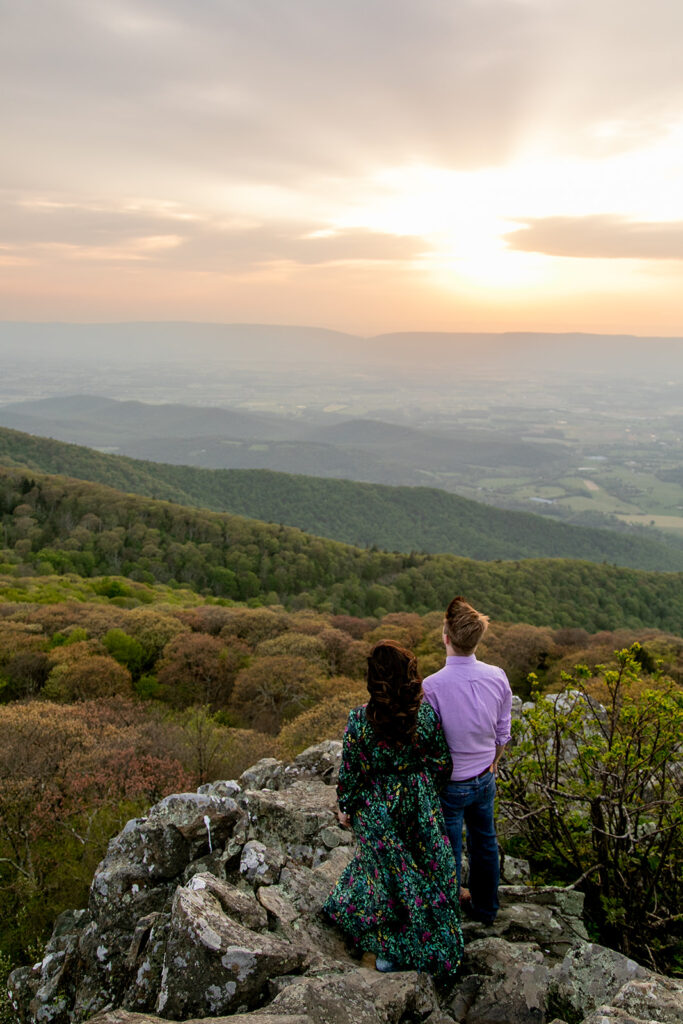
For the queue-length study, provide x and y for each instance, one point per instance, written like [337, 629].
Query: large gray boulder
[212, 964]
[653, 998]
[590, 976]
[504, 982]
[293, 818]
[357, 997]
[549, 916]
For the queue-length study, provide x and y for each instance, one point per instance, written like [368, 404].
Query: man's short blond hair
[464, 625]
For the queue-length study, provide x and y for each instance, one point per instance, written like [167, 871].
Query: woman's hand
[343, 819]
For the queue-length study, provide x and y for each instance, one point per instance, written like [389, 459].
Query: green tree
[205, 743]
[126, 650]
[591, 794]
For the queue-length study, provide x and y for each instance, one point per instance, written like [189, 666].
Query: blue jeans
[472, 803]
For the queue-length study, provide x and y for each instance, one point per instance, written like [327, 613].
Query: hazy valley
[574, 427]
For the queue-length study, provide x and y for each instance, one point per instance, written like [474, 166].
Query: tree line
[55, 525]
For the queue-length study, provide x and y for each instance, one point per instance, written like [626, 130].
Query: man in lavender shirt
[473, 701]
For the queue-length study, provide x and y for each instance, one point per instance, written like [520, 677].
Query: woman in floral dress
[398, 898]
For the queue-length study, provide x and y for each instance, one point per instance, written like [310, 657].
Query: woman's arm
[437, 756]
[353, 769]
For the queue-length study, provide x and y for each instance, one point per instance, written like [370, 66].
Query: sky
[363, 165]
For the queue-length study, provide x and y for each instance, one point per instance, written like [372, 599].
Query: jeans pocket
[459, 794]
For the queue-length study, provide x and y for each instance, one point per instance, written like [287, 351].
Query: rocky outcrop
[209, 908]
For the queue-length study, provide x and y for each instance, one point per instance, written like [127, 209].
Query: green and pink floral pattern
[398, 897]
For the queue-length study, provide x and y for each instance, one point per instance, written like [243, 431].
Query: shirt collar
[460, 659]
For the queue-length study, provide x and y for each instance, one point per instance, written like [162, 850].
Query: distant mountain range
[392, 518]
[519, 354]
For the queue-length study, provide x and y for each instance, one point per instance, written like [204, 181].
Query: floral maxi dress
[398, 898]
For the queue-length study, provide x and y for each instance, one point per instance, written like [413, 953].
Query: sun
[462, 219]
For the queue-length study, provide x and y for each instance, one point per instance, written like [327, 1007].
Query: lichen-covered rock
[329, 869]
[212, 964]
[21, 985]
[319, 762]
[295, 905]
[357, 997]
[44, 992]
[274, 901]
[405, 994]
[590, 976]
[507, 982]
[522, 922]
[265, 774]
[438, 1017]
[544, 915]
[261, 864]
[127, 883]
[515, 870]
[306, 887]
[293, 817]
[333, 836]
[222, 787]
[199, 817]
[240, 904]
[611, 1015]
[652, 998]
[145, 961]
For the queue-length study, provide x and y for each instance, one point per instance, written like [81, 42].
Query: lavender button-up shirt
[473, 701]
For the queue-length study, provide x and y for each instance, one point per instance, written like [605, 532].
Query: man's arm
[499, 754]
[503, 733]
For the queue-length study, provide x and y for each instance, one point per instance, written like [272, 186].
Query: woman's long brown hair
[395, 690]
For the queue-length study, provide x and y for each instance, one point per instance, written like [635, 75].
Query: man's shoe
[475, 915]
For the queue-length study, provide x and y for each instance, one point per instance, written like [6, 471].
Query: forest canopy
[54, 525]
[366, 514]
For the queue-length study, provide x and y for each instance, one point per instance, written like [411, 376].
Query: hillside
[393, 518]
[106, 421]
[215, 438]
[53, 524]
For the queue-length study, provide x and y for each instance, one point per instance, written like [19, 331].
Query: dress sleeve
[437, 756]
[353, 768]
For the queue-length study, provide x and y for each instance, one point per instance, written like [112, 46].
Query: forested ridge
[52, 524]
[393, 518]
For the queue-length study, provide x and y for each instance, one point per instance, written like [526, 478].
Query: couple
[417, 760]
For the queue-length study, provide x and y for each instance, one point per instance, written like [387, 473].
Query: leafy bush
[591, 794]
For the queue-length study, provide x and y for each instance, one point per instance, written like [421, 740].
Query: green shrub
[592, 794]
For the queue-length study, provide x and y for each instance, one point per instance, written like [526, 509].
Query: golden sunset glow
[504, 165]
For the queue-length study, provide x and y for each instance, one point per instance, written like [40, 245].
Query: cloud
[262, 139]
[599, 237]
[43, 228]
[155, 91]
